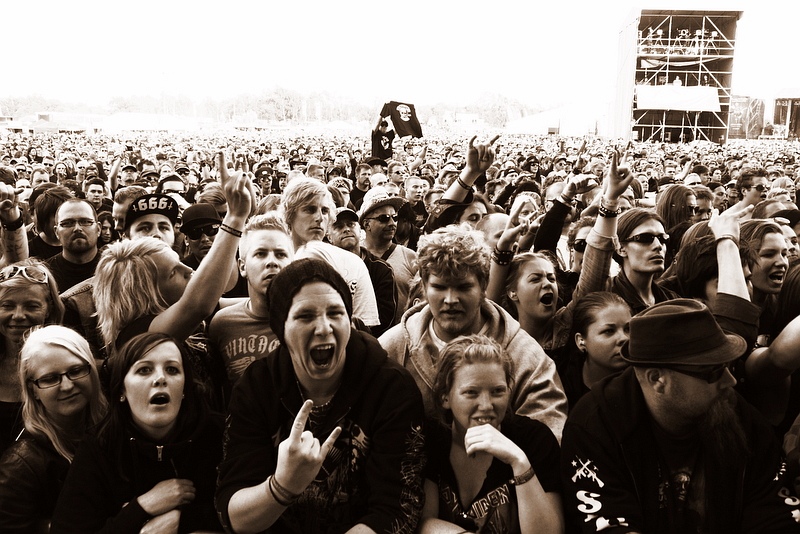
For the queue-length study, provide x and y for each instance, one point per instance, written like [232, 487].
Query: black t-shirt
[68, 274]
[37, 248]
[382, 144]
[494, 508]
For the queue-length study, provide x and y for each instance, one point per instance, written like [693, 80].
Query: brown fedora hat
[680, 332]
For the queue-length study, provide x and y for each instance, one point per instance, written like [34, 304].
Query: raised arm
[206, 286]
[15, 239]
[480, 157]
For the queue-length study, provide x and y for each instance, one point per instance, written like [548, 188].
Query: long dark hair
[118, 423]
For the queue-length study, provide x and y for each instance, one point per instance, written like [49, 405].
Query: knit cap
[291, 279]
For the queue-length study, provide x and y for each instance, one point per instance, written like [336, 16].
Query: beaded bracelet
[523, 478]
[502, 257]
[231, 230]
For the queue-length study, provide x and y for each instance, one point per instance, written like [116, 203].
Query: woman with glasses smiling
[61, 400]
[28, 298]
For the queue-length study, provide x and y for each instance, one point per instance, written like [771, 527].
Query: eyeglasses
[183, 172]
[647, 238]
[28, 272]
[760, 187]
[384, 219]
[710, 375]
[579, 245]
[693, 209]
[196, 233]
[70, 223]
[54, 379]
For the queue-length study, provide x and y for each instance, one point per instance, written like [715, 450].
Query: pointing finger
[472, 141]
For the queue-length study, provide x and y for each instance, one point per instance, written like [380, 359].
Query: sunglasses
[710, 375]
[693, 209]
[760, 187]
[54, 379]
[384, 219]
[647, 238]
[579, 245]
[28, 272]
[196, 233]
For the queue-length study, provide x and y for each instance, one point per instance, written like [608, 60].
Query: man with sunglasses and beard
[668, 445]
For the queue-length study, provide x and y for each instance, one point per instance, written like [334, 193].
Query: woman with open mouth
[325, 433]
[527, 281]
[153, 459]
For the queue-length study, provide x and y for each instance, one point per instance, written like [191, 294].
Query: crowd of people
[396, 334]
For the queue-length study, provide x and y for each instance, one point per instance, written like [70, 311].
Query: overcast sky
[543, 53]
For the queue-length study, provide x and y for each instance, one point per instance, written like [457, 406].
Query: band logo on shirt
[586, 470]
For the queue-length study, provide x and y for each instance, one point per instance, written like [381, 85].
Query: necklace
[318, 411]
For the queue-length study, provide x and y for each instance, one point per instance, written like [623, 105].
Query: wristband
[609, 204]
[279, 493]
[523, 478]
[602, 211]
[463, 184]
[13, 225]
[231, 230]
[502, 257]
[566, 201]
[727, 236]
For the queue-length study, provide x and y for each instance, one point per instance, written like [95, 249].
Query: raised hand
[8, 203]
[618, 178]
[167, 495]
[480, 156]
[237, 188]
[300, 456]
[727, 222]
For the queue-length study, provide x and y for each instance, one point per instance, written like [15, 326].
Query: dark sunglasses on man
[209, 230]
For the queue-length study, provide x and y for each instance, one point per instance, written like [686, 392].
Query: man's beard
[722, 435]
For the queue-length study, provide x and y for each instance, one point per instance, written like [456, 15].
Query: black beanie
[291, 279]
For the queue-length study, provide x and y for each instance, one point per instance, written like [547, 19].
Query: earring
[122, 398]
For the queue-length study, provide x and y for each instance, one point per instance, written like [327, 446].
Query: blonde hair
[55, 311]
[126, 285]
[34, 415]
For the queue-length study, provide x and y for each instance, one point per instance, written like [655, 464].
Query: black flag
[404, 118]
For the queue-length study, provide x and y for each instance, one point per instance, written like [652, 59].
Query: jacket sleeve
[249, 451]
[550, 228]
[395, 463]
[87, 502]
[538, 390]
[21, 489]
[599, 494]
